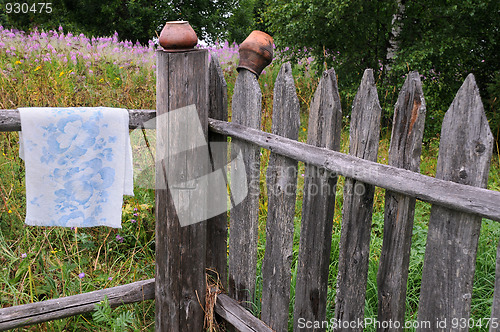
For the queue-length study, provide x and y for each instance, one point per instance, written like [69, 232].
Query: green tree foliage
[444, 41]
[353, 33]
[248, 15]
[209, 18]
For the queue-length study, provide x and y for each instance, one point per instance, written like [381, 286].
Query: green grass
[39, 263]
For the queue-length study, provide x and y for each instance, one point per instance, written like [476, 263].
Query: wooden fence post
[404, 152]
[354, 248]
[324, 130]
[465, 153]
[281, 189]
[182, 80]
[217, 226]
[246, 107]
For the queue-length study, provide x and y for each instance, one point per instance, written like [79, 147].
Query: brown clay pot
[256, 52]
[178, 36]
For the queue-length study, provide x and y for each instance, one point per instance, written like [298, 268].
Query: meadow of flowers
[57, 68]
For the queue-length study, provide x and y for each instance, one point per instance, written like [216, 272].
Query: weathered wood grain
[318, 205]
[10, 120]
[464, 157]
[404, 152]
[217, 226]
[246, 110]
[39, 312]
[455, 196]
[238, 317]
[495, 308]
[281, 192]
[354, 247]
[182, 80]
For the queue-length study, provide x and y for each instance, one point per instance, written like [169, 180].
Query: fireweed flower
[119, 238]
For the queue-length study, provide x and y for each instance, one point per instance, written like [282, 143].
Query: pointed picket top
[324, 126]
[365, 119]
[286, 118]
[408, 125]
[465, 126]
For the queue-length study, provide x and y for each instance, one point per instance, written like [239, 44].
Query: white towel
[78, 165]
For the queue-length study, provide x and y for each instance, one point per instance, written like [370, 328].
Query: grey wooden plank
[238, 317]
[182, 80]
[354, 247]
[495, 308]
[404, 152]
[459, 197]
[318, 205]
[217, 226]
[464, 157]
[10, 120]
[246, 110]
[281, 192]
[39, 312]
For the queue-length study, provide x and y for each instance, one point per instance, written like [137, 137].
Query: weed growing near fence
[58, 69]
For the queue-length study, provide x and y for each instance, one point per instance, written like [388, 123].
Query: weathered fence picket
[465, 152]
[354, 247]
[324, 130]
[246, 110]
[404, 152]
[281, 193]
[217, 226]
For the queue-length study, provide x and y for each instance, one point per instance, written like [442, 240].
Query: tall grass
[37, 263]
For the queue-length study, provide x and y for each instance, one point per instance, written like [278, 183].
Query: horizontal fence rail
[39, 312]
[11, 121]
[44, 311]
[482, 202]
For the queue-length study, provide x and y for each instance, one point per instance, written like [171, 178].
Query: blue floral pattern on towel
[78, 153]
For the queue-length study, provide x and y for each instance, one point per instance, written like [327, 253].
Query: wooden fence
[457, 194]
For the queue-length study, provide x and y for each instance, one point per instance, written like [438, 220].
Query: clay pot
[256, 52]
[178, 36]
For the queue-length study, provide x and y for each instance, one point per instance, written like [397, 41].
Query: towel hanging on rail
[78, 165]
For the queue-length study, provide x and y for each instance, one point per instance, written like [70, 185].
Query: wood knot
[462, 173]
[480, 148]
